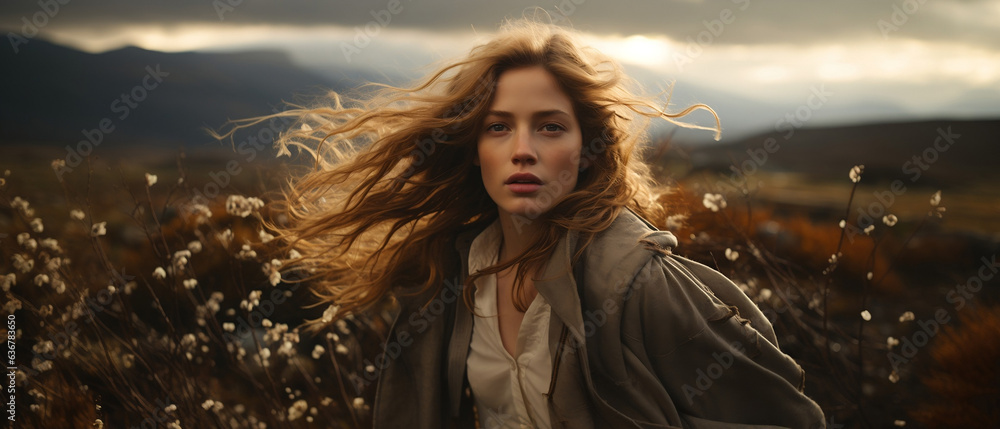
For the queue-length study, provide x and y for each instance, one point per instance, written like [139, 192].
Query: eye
[553, 128]
[496, 127]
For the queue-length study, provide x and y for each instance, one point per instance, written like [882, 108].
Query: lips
[523, 183]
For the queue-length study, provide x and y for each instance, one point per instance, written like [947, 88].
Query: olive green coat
[659, 341]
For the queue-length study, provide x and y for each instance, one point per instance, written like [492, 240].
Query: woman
[499, 202]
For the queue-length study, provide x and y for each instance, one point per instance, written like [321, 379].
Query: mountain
[935, 152]
[52, 94]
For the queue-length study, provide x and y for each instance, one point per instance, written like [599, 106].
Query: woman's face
[529, 146]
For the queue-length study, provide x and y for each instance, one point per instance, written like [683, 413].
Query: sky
[877, 59]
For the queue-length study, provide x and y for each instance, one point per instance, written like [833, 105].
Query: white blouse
[509, 390]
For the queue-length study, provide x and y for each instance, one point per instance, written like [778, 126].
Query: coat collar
[623, 249]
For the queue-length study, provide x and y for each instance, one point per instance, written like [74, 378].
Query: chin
[525, 209]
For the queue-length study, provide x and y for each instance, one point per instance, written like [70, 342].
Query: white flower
[23, 264]
[246, 252]
[229, 327]
[265, 237]
[765, 294]
[7, 281]
[207, 405]
[906, 317]
[869, 229]
[201, 212]
[306, 128]
[894, 377]
[732, 255]
[36, 225]
[342, 349]
[283, 151]
[936, 199]
[76, 214]
[318, 351]
[41, 279]
[359, 403]
[937, 210]
[159, 273]
[150, 179]
[866, 315]
[13, 305]
[287, 349]
[29, 243]
[238, 205]
[51, 244]
[714, 202]
[274, 278]
[297, 409]
[890, 219]
[842, 224]
[225, 236]
[294, 254]
[181, 258]
[675, 222]
[870, 275]
[899, 423]
[330, 313]
[23, 206]
[98, 229]
[194, 246]
[190, 283]
[856, 173]
[891, 342]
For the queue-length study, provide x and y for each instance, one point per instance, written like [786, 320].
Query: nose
[524, 150]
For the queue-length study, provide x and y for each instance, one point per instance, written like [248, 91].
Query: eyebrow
[538, 114]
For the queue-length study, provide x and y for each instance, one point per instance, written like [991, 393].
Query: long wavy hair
[393, 181]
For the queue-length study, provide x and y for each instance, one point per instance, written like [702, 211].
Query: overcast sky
[915, 57]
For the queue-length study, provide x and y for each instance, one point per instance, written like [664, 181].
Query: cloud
[753, 21]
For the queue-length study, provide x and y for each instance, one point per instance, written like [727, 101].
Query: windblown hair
[394, 182]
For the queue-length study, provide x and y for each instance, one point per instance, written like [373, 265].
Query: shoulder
[632, 257]
[617, 254]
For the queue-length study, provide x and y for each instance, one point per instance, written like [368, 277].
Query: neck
[519, 232]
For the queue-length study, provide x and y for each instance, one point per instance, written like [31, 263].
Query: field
[139, 303]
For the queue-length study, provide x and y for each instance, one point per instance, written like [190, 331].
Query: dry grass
[118, 344]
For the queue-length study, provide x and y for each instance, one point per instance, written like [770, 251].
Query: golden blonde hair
[394, 182]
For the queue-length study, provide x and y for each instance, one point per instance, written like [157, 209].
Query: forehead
[529, 89]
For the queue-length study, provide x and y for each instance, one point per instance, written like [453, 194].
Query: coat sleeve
[718, 361]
